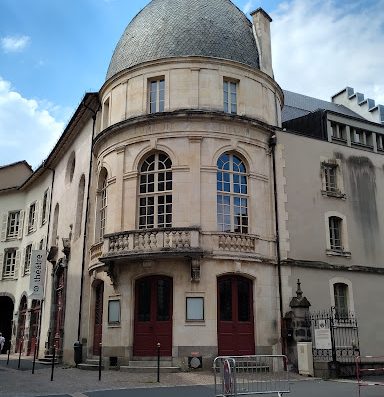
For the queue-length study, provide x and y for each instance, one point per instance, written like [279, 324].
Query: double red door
[98, 328]
[153, 316]
[235, 323]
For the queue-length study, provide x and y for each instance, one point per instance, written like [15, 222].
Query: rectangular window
[44, 209]
[114, 311]
[195, 309]
[27, 259]
[380, 142]
[13, 224]
[330, 173]
[335, 233]
[338, 131]
[341, 299]
[32, 218]
[230, 96]
[156, 95]
[9, 263]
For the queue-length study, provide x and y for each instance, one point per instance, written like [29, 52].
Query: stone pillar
[297, 324]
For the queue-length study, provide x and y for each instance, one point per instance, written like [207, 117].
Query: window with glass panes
[13, 224]
[44, 209]
[156, 95]
[9, 263]
[32, 218]
[341, 299]
[103, 208]
[27, 259]
[330, 172]
[335, 232]
[230, 96]
[155, 192]
[232, 191]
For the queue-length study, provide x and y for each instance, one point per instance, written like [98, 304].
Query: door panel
[153, 316]
[235, 316]
[98, 326]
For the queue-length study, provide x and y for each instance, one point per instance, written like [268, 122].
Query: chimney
[262, 31]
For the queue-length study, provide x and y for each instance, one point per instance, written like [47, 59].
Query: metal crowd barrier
[250, 375]
[370, 371]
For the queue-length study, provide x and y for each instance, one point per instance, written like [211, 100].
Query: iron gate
[344, 335]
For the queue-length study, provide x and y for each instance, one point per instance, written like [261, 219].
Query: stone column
[297, 324]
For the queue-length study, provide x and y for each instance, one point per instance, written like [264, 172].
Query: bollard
[100, 362]
[34, 359]
[18, 364]
[53, 362]
[158, 362]
[9, 352]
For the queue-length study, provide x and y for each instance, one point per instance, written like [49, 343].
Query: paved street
[72, 382]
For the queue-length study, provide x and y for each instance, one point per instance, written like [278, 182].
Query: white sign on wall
[323, 336]
[36, 280]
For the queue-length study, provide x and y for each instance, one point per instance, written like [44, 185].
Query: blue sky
[53, 51]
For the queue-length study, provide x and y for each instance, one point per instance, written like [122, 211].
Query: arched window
[335, 233]
[101, 205]
[340, 291]
[232, 194]
[155, 192]
[79, 208]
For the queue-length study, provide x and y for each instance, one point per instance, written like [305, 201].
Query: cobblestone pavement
[70, 381]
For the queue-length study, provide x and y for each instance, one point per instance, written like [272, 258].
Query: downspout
[46, 250]
[272, 145]
[85, 224]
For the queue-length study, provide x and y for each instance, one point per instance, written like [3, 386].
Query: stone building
[157, 205]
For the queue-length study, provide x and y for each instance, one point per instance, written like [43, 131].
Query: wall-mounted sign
[322, 336]
[37, 274]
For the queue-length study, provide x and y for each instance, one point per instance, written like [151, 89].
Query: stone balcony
[188, 242]
[146, 244]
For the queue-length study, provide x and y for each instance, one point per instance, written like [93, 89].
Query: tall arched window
[341, 299]
[80, 205]
[101, 208]
[155, 192]
[232, 194]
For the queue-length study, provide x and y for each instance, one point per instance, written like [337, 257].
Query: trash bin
[78, 352]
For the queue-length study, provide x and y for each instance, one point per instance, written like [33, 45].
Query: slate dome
[177, 28]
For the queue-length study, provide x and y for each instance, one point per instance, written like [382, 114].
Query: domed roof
[176, 28]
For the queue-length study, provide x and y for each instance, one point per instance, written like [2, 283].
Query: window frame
[336, 166]
[118, 320]
[331, 248]
[232, 199]
[158, 104]
[230, 104]
[189, 299]
[10, 273]
[32, 217]
[44, 208]
[16, 226]
[27, 259]
[160, 200]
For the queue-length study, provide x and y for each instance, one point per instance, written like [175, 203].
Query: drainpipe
[272, 145]
[85, 224]
[46, 249]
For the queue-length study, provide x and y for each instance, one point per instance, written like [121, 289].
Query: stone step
[149, 369]
[90, 366]
[149, 363]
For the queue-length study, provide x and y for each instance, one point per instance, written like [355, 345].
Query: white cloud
[249, 6]
[320, 47]
[14, 43]
[28, 131]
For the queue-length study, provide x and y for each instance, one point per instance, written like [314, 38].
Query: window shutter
[37, 215]
[17, 265]
[26, 221]
[21, 224]
[22, 262]
[4, 219]
[1, 265]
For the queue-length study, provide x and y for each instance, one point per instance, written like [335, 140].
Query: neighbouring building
[157, 207]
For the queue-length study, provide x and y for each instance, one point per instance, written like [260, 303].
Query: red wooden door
[34, 326]
[21, 324]
[98, 328]
[235, 324]
[153, 316]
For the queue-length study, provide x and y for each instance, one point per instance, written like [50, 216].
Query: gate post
[297, 325]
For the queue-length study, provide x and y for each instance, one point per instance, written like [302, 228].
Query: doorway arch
[7, 307]
[23, 309]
